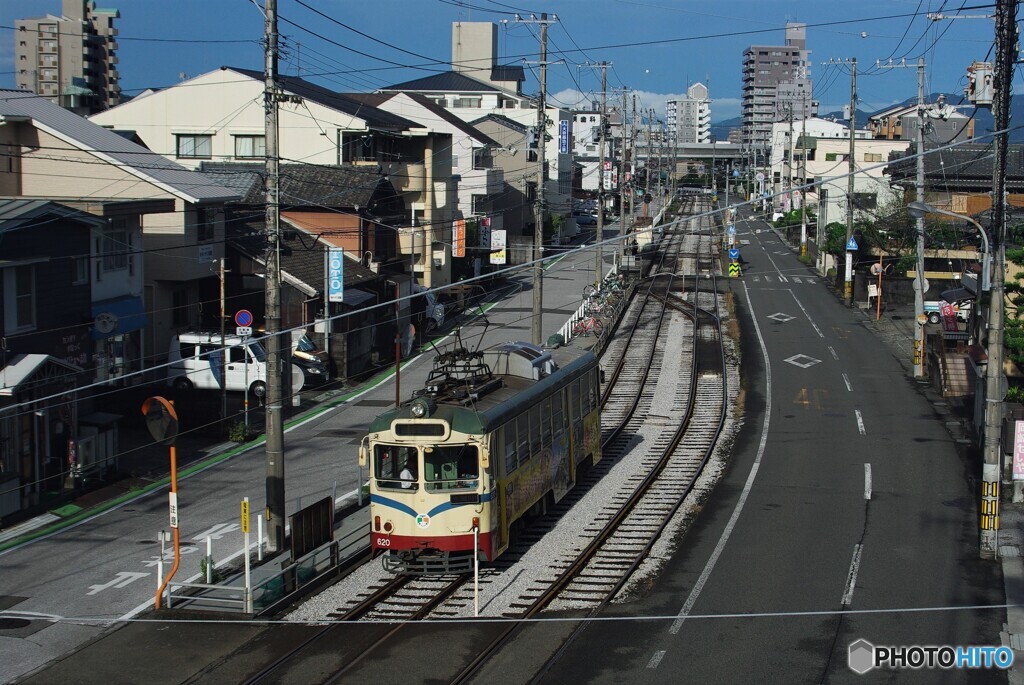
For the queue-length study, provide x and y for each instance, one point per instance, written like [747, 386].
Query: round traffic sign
[759, 176]
[243, 317]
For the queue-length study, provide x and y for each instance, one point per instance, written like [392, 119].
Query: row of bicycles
[601, 303]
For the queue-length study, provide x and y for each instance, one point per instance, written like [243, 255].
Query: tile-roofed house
[219, 117]
[164, 222]
[354, 208]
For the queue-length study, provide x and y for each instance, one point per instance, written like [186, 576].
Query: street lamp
[919, 209]
[994, 387]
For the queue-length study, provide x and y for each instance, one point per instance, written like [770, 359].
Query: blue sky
[656, 48]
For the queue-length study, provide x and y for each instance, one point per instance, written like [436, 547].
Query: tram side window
[388, 463]
[523, 429]
[545, 421]
[451, 467]
[595, 390]
[557, 413]
[584, 395]
[535, 443]
[511, 453]
[574, 400]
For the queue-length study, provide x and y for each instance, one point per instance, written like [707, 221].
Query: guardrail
[277, 587]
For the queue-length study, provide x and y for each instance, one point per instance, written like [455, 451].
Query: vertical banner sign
[607, 180]
[498, 246]
[485, 232]
[459, 238]
[563, 136]
[1018, 450]
[949, 318]
[615, 178]
[335, 275]
[244, 515]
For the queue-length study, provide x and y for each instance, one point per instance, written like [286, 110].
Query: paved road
[797, 541]
[104, 568]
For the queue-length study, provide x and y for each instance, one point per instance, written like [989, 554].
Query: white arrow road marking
[218, 531]
[122, 579]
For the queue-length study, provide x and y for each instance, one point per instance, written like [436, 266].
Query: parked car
[585, 218]
[197, 359]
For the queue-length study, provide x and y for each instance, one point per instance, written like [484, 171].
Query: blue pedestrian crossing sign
[734, 253]
[731, 230]
[851, 244]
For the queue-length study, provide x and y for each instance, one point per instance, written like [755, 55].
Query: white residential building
[689, 119]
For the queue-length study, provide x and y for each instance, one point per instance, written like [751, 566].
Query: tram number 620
[383, 542]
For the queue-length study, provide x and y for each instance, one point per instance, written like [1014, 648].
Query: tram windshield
[396, 467]
[451, 467]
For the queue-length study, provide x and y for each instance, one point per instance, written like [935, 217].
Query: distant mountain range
[982, 118]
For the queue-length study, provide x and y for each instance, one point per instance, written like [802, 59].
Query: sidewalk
[896, 328]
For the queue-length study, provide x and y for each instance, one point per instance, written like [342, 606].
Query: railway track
[644, 395]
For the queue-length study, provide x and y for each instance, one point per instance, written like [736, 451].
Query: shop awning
[117, 316]
[25, 369]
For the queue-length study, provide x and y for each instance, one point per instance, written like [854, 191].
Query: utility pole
[622, 179]
[634, 162]
[274, 416]
[852, 167]
[803, 180]
[919, 280]
[542, 134]
[789, 158]
[1006, 57]
[223, 350]
[599, 259]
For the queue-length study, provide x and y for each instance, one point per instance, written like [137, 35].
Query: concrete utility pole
[622, 179]
[1006, 57]
[634, 162]
[274, 417]
[848, 288]
[919, 280]
[540, 209]
[599, 236]
[803, 181]
[789, 157]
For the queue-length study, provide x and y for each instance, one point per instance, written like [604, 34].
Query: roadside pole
[245, 544]
[162, 422]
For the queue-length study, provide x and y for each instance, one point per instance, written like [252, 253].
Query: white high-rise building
[689, 119]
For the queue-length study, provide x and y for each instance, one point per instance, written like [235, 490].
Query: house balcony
[409, 177]
[483, 181]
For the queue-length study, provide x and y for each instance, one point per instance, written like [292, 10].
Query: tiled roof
[961, 167]
[103, 143]
[374, 118]
[445, 82]
[501, 119]
[507, 72]
[306, 184]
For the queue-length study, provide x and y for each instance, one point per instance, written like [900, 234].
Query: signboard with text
[563, 136]
[336, 275]
[459, 238]
[498, 256]
[1018, 450]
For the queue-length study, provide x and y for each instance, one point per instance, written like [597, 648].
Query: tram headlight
[422, 407]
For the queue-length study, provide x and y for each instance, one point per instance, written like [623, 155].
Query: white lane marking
[656, 659]
[834, 355]
[860, 423]
[796, 279]
[809, 319]
[783, 279]
[122, 579]
[846, 379]
[851, 577]
[867, 481]
[698, 587]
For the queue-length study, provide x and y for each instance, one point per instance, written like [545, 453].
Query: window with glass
[396, 467]
[535, 431]
[467, 102]
[19, 298]
[558, 418]
[206, 222]
[451, 467]
[247, 147]
[545, 421]
[194, 146]
[523, 434]
[114, 248]
[511, 453]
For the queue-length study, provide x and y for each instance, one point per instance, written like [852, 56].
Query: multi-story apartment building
[478, 87]
[689, 119]
[70, 59]
[776, 85]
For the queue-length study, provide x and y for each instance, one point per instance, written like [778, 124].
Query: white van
[196, 358]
